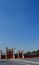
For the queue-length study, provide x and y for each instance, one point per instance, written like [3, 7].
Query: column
[0, 53]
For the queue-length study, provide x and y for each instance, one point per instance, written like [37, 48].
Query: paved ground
[31, 59]
[19, 62]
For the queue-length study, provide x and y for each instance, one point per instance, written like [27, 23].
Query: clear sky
[19, 24]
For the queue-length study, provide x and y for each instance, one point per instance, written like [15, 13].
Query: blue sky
[19, 24]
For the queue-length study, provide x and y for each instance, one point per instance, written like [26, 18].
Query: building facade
[10, 53]
[20, 54]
